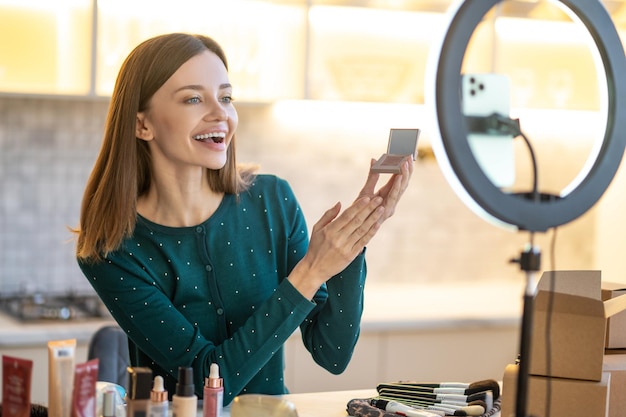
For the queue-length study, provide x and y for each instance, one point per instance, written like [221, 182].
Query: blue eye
[227, 99]
[193, 100]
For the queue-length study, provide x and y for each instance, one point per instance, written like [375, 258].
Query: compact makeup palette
[402, 143]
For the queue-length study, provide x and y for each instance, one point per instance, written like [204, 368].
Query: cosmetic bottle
[158, 405]
[138, 393]
[61, 364]
[185, 401]
[213, 393]
[108, 404]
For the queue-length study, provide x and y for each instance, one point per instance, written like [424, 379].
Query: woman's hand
[392, 190]
[336, 239]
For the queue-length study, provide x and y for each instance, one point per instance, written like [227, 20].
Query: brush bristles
[487, 385]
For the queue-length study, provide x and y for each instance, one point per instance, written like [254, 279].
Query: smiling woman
[199, 259]
[176, 124]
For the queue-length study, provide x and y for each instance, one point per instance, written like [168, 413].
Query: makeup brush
[395, 407]
[482, 399]
[450, 409]
[418, 403]
[466, 410]
[452, 401]
[409, 393]
[485, 399]
[443, 409]
[452, 387]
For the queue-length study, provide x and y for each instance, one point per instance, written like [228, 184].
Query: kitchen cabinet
[380, 356]
[46, 46]
[76, 47]
[438, 334]
[369, 54]
[463, 353]
[297, 49]
[264, 41]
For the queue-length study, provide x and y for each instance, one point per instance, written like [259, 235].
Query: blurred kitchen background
[318, 84]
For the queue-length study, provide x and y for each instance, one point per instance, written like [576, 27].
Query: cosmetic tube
[61, 362]
[185, 401]
[159, 404]
[138, 393]
[16, 382]
[84, 392]
[213, 400]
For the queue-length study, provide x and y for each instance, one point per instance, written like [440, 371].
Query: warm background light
[46, 46]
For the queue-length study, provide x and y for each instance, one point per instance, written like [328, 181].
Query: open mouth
[217, 137]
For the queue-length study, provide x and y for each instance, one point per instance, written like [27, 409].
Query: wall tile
[48, 147]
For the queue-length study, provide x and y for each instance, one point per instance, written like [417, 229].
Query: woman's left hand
[392, 191]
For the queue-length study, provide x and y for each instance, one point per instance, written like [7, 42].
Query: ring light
[452, 147]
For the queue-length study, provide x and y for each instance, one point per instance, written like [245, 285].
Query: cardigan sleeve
[143, 311]
[331, 331]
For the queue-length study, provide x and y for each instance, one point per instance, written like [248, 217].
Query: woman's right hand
[336, 239]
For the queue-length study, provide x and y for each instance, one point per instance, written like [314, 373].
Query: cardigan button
[220, 311]
[209, 268]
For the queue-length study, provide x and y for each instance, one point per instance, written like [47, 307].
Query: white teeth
[212, 135]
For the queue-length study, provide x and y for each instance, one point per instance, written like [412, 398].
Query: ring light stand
[469, 180]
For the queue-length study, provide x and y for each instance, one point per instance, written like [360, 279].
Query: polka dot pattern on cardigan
[216, 292]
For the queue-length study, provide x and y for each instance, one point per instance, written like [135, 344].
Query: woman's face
[190, 120]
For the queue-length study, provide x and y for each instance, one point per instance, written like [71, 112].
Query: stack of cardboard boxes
[577, 349]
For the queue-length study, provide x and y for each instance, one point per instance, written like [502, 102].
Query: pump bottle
[185, 401]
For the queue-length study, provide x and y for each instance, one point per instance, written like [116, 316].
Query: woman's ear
[142, 131]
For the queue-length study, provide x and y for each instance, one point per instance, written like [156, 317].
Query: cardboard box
[570, 306]
[616, 325]
[568, 397]
[615, 364]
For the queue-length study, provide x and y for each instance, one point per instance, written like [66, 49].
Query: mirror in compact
[402, 143]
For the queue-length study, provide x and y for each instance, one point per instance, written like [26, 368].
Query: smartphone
[483, 95]
[402, 143]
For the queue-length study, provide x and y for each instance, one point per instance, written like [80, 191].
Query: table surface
[324, 404]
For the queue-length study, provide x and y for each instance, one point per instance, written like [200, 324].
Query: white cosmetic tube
[61, 362]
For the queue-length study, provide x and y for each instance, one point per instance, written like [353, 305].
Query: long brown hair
[122, 170]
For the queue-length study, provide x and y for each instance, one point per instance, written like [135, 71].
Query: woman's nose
[215, 111]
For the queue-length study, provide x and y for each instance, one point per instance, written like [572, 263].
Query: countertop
[15, 333]
[388, 307]
[391, 307]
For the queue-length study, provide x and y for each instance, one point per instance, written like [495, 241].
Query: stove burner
[53, 307]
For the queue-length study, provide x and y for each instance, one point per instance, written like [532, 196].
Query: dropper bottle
[158, 405]
[185, 401]
[213, 393]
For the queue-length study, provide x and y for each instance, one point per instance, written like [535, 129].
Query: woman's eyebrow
[199, 87]
[189, 87]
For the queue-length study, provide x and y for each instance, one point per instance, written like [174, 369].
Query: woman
[200, 260]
